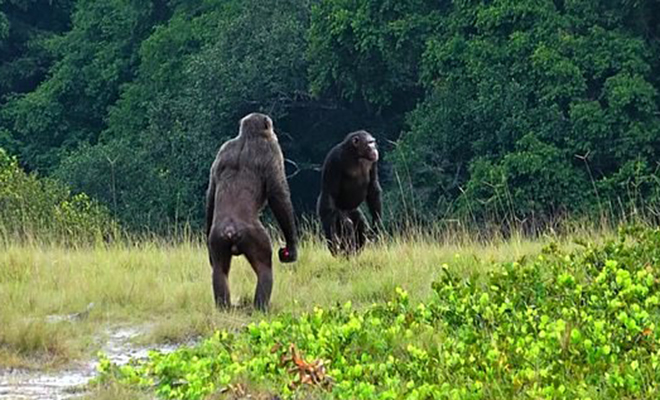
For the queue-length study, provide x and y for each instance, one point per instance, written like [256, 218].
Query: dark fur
[247, 173]
[349, 178]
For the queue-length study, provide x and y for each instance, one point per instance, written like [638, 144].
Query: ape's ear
[355, 141]
[266, 124]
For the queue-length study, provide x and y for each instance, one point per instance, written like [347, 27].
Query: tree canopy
[485, 110]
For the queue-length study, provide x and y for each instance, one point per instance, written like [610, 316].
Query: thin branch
[295, 165]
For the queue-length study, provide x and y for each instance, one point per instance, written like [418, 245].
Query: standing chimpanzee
[247, 173]
[349, 177]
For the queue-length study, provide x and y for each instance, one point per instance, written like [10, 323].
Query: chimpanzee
[349, 177]
[247, 173]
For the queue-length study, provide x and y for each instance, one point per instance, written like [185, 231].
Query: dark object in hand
[287, 256]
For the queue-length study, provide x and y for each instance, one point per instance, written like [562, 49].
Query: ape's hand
[288, 254]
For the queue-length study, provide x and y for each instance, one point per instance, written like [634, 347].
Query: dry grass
[168, 287]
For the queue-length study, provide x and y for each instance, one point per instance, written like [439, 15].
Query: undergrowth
[562, 325]
[163, 288]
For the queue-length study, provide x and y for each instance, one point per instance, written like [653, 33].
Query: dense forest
[505, 110]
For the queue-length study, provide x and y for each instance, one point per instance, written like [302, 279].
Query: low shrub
[563, 325]
[45, 209]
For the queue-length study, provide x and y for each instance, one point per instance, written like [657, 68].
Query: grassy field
[164, 289]
[417, 320]
[167, 287]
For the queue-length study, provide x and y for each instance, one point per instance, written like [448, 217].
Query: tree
[537, 98]
[93, 59]
[197, 76]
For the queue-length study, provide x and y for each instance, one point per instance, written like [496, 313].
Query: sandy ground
[69, 383]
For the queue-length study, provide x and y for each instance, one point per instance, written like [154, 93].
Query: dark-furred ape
[247, 173]
[349, 178]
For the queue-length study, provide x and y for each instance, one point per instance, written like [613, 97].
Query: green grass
[116, 392]
[559, 325]
[167, 287]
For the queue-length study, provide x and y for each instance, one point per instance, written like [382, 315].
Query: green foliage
[198, 75]
[110, 172]
[93, 59]
[369, 50]
[25, 28]
[533, 180]
[578, 325]
[541, 100]
[46, 209]
[548, 106]
[4, 27]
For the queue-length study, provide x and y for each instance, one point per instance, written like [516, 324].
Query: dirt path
[25, 384]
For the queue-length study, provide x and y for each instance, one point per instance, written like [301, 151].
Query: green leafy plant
[564, 325]
[32, 207]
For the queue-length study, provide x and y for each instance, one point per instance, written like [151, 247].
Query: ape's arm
[327, 206]
[374, 198]
[279, 200]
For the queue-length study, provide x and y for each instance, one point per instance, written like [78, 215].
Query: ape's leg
[360, 230]
[257, 248]
[331, 231]
[220, 255]
[331, 224]
[346, 234]
[221, 281]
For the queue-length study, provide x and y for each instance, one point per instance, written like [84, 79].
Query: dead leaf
[309, 373]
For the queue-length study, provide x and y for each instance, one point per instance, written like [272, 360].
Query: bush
[527, 116]
[43, 208]
[579, 325]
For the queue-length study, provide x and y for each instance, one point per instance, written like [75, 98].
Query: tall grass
[165, 286]
[630, 197]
